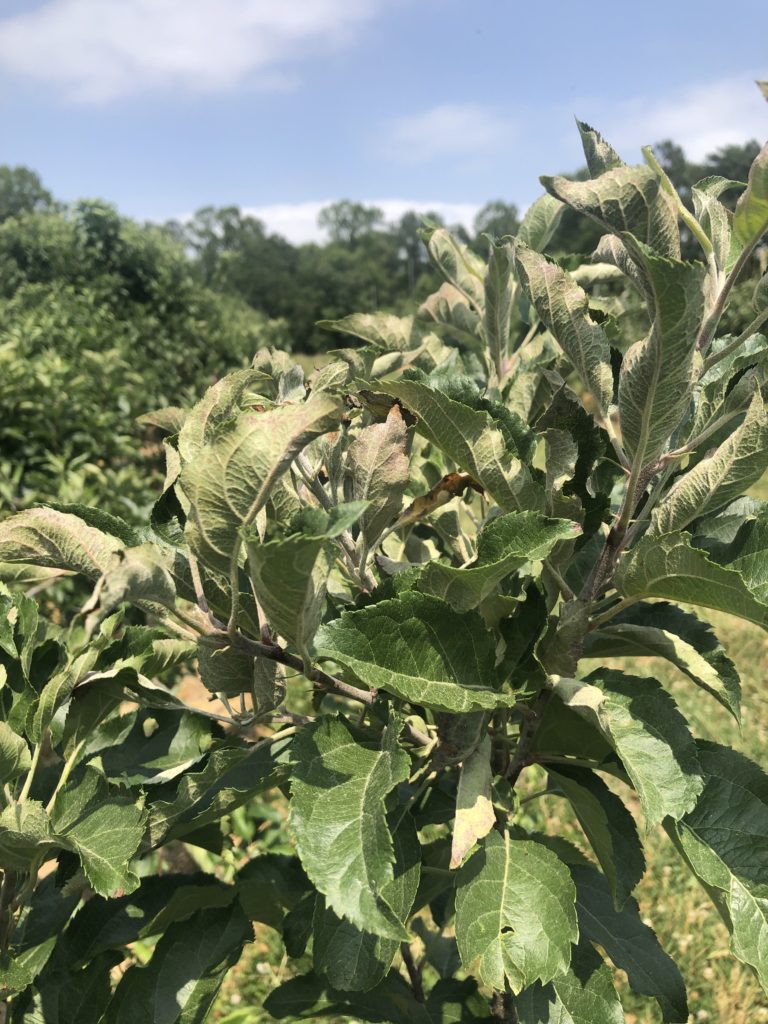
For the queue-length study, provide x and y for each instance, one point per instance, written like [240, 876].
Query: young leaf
[728, 472]
[450, 310]
[564, 308]
[290, 574]
[750, 221]
[339, 821]
[417, 648]
[470, 438]
[103, 827]
[188, 965]
[658, 373]
[458, 265]
[669, 567]
[25, 832]
[378, 466]
[608, 826]
[505, 544]
[624, 200]
[230, 479]
[218, 406]
[540, 222]
[475, 816]
[584, 994]
[642, 724]
[384, 330]
[664, 631]
[141, 575]
[354, 960]
[515, 913]
[498, 300]
[14, 754]
[56, 540]
[600, 155]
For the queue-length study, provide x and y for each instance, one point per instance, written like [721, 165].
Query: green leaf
[189, 963]
[220, 404]
[540, 222]
[354, 960]
[564, 308]
[641, 722]
[103, 827]
[25, 833]
[15, 758]
[608, 826]
[505, 544]
[417, 648]
[731, 469]
[18, 970]
[378, 467]
[665, 631]
[515, 913]
[384, 330]
[658, 373]
[750, 221]
[600, 155]
[230, 479]
[290, 574]
[630, 944]
[472, 440]
[669, 567]
[231, 777]
[338, 818]
[56, 540]
[584, 994]
[475, 816]
[498, 301]
[458, 265]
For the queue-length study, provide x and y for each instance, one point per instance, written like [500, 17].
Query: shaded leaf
[608, 826]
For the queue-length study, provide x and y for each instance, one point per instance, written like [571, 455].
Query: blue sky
[281, 106]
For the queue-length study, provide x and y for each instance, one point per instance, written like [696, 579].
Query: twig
[414, 973]
[273, 652]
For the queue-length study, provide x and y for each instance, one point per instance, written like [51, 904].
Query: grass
[720, 989]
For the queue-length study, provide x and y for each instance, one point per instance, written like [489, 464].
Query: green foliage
[104, 318]
[431, 535]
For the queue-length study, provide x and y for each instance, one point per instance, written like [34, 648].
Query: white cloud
[99, 50]
[451, 129]
[298, 221]
[700, 117]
